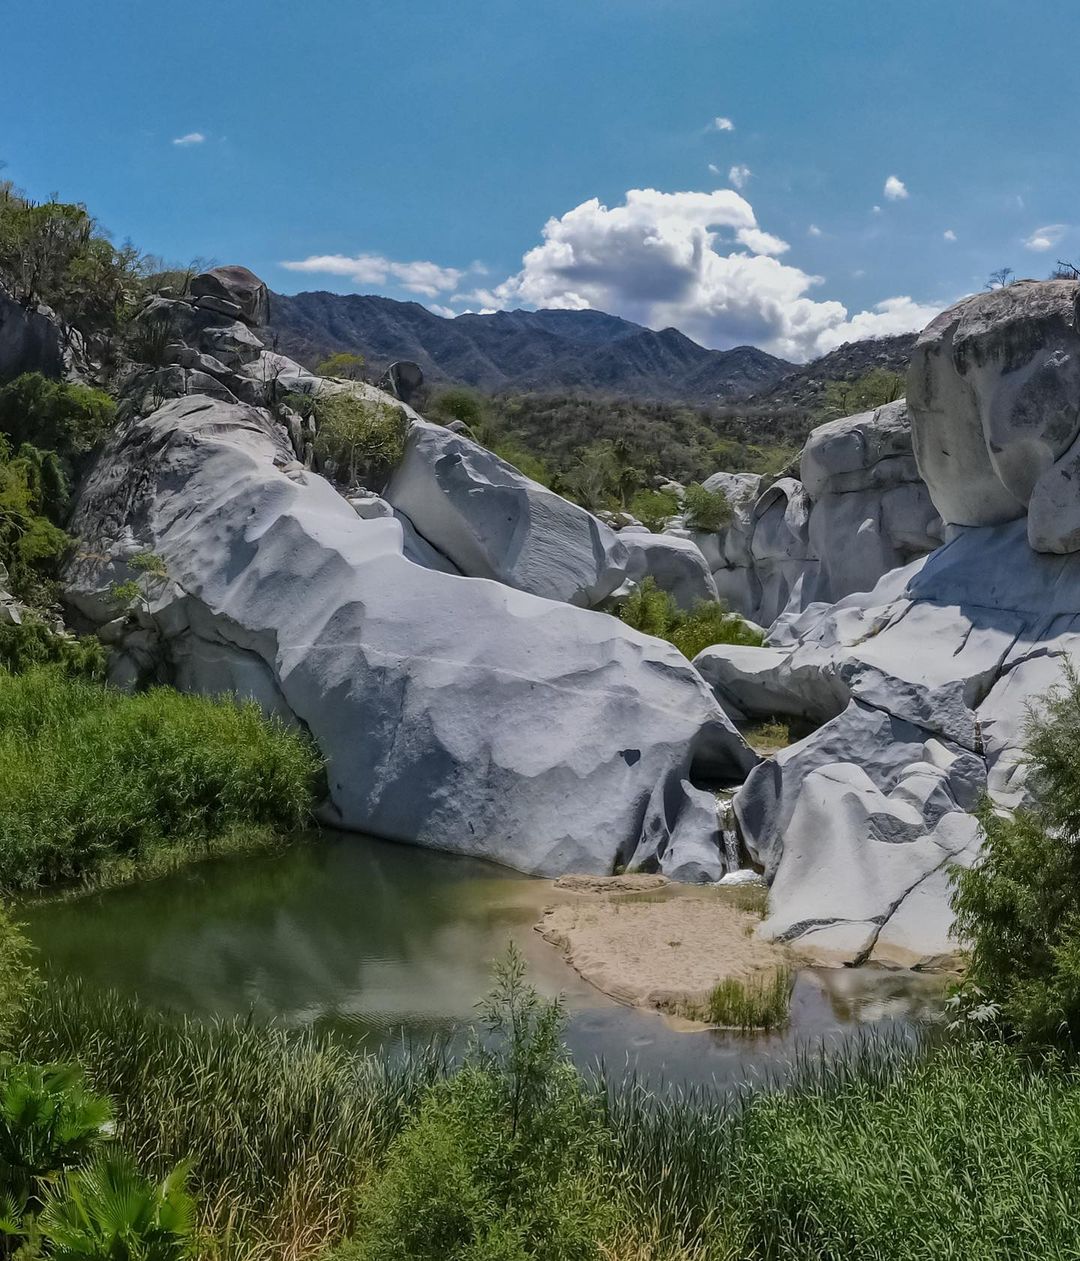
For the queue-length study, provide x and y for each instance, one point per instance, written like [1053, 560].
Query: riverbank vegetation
[92, 776]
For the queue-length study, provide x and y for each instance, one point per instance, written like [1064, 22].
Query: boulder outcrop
[461, 714]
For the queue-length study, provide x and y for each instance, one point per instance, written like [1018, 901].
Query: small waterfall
[731, 851]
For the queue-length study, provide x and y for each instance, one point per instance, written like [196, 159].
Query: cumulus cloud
[1046, 238]
[192, 137]
[895, 189]
[949, 234]
[696, 260]
[721, 124]
[739, 176]
[428, 279]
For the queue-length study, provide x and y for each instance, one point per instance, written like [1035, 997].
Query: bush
[32, 644]
[88, 773]
[654, 612]
[1019, 907]
[755, 1003]
[653, 508]
[72, 420]
[873, 389]
[17, 976]
[499, 1163]
[344, 365]
[361, 438]
[705, 509]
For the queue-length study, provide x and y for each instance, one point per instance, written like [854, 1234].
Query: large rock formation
[462, 713]
[493, 522]
[922, 682]
[858, 510]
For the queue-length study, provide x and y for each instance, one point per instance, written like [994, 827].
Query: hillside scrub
[360, 438]
[89, 774]
[1018, 905]
[654, 612]
[63, 417]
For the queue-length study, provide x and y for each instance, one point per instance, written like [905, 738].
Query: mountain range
[520, 351]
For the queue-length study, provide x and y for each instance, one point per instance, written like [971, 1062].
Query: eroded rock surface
[460, 714]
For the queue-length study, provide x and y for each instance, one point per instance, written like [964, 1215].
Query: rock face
[493, 522]
[871, 511]
[233, 291]
[31, 340]
[459, 714]
[995, 393]
[859, 510]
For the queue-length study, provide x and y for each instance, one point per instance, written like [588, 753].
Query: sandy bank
[649, 943]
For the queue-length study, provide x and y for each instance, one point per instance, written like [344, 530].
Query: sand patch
[661, 946]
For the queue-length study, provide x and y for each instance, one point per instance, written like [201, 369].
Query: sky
[791, 174]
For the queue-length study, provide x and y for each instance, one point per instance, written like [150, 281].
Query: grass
[97, 780]
[884, 1148]
[757, 1003]
[768, 737]
[280, 1126]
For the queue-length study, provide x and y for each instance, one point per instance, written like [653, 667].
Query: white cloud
[1043, 239]
[876, 209]
[895, 189]
[448, 313]
[192, 137]
[715, 169]
[721, 124]
[420, 277]
[949, 234]
[813, 230]
[739, 176]
[695, 260]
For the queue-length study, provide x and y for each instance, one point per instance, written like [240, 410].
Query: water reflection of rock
[871, 995]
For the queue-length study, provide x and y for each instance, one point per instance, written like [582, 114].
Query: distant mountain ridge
[522, 351]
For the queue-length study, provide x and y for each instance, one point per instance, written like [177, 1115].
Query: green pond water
[386, 944]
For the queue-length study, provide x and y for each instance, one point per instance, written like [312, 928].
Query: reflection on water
[379, 941]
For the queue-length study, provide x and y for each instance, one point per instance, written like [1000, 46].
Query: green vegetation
[653, 508]
[32, 644]
[1018, 907]
[151, 570]
[873, 389]
[654, 612]
[770, 736]
[705, 509]
[68, 419]
[89, 775]
[760, 1002]
[56, 253]
[17, 975]
[344, 365]
[360, 439]
[960, 1148]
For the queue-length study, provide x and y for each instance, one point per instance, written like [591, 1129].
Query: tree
[873, 389]
[1018, 906]
[1001, 278]
[359, 435]
[72, 420]
[151, 569]
[1065, 271]
[343, 365]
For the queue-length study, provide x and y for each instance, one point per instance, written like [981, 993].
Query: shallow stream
[383, 943]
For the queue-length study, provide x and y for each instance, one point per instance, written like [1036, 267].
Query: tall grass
[280, 1126]
[756, 1003]
[89, 774]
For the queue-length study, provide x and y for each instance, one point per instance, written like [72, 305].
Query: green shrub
[88, 773]
[109, 1210]
[17, 976]
[513, 453]
[863, 394]
[653, 508]
[361, 438]
[278, 1126]
[24, 647]
[72, 420]
[1018, 906]
[499, 1163]
[705, 509]
[654, 612]
[344, 365]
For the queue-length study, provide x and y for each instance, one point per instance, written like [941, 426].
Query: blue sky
[418, 148]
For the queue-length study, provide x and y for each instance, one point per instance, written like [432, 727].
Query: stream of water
[383, 943]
